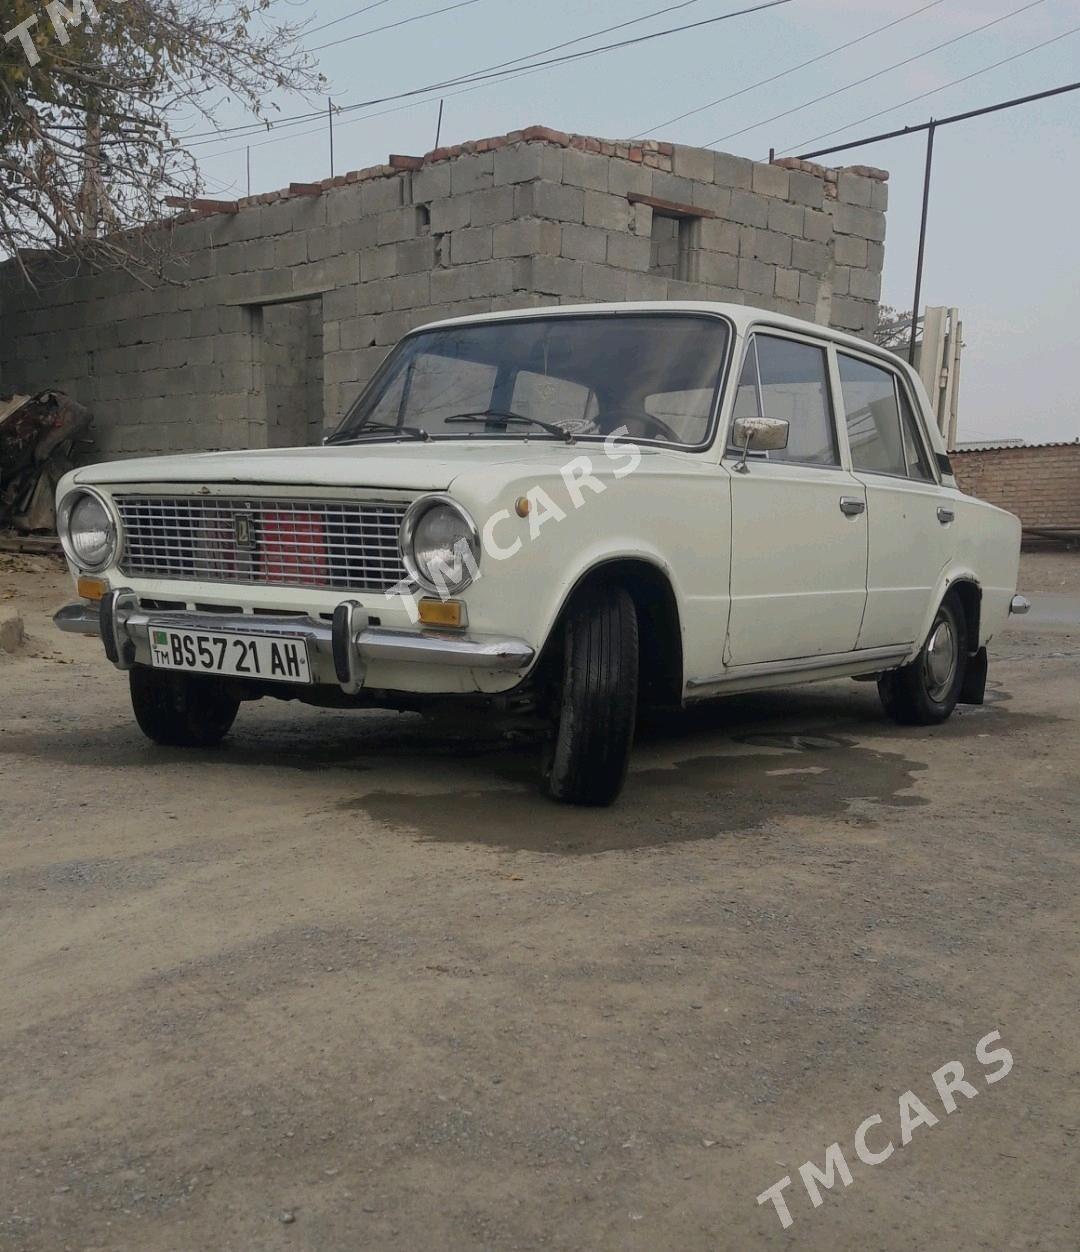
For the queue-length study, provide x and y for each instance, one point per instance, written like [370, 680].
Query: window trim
[900, 387]
[825, 346]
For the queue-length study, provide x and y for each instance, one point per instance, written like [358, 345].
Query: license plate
[237, 656]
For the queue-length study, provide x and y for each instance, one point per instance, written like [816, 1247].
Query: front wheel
[179, 710]
[926, 691]
[596, 704]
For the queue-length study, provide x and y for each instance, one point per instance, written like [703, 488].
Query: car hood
[404, 467]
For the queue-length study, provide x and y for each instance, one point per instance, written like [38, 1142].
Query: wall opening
[292, 372]
[675, 241]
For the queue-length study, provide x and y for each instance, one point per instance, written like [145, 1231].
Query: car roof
[742, 315]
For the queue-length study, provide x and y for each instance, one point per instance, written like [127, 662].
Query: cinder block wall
[1040, 484]
[528, 219]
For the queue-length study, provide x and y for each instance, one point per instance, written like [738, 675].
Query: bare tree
[93, 99]
[893, 328]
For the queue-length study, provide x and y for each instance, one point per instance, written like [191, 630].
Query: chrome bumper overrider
[339, 650]
[1019, 605]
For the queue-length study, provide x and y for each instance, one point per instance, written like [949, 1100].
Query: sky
[1003, 244]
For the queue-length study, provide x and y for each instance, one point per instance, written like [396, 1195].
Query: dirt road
[349, 982]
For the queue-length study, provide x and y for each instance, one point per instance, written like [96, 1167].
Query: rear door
[910, 520]
[798, 524]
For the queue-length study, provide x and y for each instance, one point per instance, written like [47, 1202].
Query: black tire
[596, 699]
[179, 710]
[925, 692]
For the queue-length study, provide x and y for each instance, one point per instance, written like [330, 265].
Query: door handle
[945, 516]
[852, 506]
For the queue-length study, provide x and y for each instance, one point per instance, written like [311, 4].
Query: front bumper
[339, 650]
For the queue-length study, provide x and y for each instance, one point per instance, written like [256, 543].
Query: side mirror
[758, 434]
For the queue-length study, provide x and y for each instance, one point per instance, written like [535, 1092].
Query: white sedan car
[564, 513]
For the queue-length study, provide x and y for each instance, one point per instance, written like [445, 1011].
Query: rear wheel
[926, 691]
[179, 710]
[596, 699]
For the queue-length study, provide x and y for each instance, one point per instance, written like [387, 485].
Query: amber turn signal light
[442, 613]
[92, 588]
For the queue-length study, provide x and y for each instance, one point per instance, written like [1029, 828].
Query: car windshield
[654, 375]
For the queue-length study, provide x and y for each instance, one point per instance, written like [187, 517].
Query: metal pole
[438, 124]
[330, 115]
[249, 170]
[922, 240]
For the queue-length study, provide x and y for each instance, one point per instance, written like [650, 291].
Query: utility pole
[91, 201]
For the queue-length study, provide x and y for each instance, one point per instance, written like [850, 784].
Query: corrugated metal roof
[990, 445]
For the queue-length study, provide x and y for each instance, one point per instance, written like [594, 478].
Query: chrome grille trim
[318, 543]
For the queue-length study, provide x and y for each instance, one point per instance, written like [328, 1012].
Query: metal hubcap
[940, 659]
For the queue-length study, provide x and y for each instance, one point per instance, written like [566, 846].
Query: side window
[873, 417]
[786, 379]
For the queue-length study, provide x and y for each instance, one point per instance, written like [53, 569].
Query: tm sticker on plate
[237, 656]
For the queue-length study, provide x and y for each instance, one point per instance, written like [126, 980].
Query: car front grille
[299, 543]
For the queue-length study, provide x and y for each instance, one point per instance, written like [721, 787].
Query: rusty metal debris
[39, 437]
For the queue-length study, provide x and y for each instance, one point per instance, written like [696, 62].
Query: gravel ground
[349, 982]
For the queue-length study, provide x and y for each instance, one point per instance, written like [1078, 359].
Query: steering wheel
[614, 418]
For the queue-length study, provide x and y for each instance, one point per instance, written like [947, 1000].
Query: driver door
[798, 518]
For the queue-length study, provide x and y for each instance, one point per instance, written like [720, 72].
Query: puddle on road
[753, 782]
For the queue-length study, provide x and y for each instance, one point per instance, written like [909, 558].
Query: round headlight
[87, 530]
[441, 545]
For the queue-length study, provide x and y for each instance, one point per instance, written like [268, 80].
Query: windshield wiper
[501, 417]
[410, 432]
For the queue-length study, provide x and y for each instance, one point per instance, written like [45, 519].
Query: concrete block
[491, 207]
[771, 180]
[875, 256]
[811, 257]
[756, 277]
[380, 195]
[584, 243]
[587, 170]
[448, 285]
[772, 247]
[290, 250]
[713, 198]
[719, 236]
[411, 291]
[360, 235]
[670, 187]
[718, 269]
[346, 204]
[451, 214]
[865, 284]
[518, 300]
[335, 271]
[606, 211]
[850, 250]
[852, 219]
[550, 200]
[557, 276]
[806, 189]
[472, 173]
[786, 218]
[474, 244]
[303, 213]
[733, 171]
[357, 332]
[601, 283]
[697, 164]
[340, 303]
[431, 183]
[879, 195]
[809, 288]
[526, 163]
[646, 287]
[396, 225]
[494, 278]
[787, 284]
[627, 176]
[848, 313]
[818, 226]
[379, 263]
[415, 255]
[854, 189]
[749, 209]
[841, 280]
[641, 220]
[373, 297]
[324, 242]
[341, 367]
[629, 252]
[527, 238]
